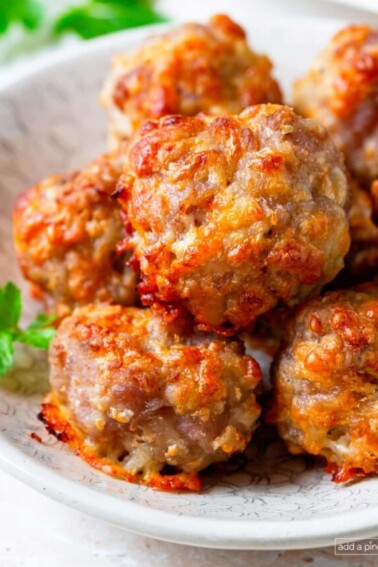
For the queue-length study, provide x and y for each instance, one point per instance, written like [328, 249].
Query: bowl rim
[138, 518]
[189, 530]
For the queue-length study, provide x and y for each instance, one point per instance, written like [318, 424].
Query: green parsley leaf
[40, 321]
[28, 13]
[38, 334]
[40, 338]
[10, 306]
[100, 17]
[6, 352]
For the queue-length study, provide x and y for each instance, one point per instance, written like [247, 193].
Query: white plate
[50, 121]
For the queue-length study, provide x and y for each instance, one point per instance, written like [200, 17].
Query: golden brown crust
[324, 377]
[138, 387]
[57, 423]
[191, 69]
[341, 91]
[235, 214]
[66, 229]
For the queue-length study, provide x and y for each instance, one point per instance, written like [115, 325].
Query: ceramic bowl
[50, 121]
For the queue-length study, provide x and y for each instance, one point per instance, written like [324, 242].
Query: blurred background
[32, 27]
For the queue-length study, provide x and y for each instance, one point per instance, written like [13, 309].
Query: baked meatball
[193, 68]
[136, 390]
[362, 259]
[325, 381]
[235, 214]
[66, 229]
[341, 91]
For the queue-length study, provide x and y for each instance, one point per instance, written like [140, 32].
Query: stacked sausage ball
[217, 206]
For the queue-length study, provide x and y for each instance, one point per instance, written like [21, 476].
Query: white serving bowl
[50, 121]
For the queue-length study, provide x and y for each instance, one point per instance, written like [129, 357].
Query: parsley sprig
[99, 17]
[38, 334]
[86, 18]
[29, 25]
[27, 13]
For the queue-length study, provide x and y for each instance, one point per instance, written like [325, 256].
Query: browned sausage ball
[362, 259]
[361, 262]
[235, 214]
[341, 91]
[66, 229]
[190, 69]
[325, 380]
[135, 390]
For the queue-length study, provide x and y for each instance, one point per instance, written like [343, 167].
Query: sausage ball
[66, 230]
[325, 381]
[137, 392]
[362, 259]
[191, 69]
[235, 214]
[361, 262]
[341, 91]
